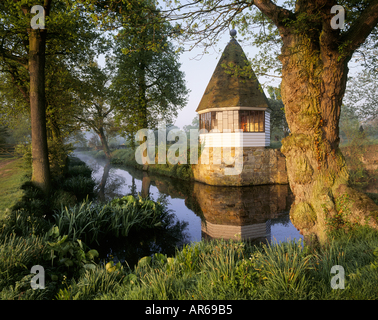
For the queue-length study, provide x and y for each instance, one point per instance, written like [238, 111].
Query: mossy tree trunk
[314, 77]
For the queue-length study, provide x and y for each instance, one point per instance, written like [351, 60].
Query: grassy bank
[67, 244]
[127, 157]
[234, 270]
[60, 232]
[12, 176]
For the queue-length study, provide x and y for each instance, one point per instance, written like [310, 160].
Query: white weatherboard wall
[234, 139]
[267, 129]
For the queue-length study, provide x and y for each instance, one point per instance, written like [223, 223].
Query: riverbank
[12, 176]
[362, 162]
[212, 270]
[127, 157]
[60, 232]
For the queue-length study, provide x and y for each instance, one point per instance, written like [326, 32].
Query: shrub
[80, 186]
[79, 170]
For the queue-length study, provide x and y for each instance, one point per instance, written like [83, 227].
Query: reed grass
[92, 222]
[18, 255]
[284, 269]
[231, 270]
[92, 285]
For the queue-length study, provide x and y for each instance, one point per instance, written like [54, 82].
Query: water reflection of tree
[109, 184]
[163, 199]
[283, 218]
[133, 188]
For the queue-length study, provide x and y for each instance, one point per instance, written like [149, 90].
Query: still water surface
[258, 212]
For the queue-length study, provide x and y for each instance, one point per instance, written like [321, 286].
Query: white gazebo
[234, 108]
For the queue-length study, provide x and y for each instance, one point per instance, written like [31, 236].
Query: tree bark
[104, 143]
[40, 159]
[313, 86]
[314, 74]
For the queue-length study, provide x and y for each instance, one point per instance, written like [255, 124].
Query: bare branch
[276, 13]
[361, 28]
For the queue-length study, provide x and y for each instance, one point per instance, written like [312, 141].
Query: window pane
[236, 120]
[225, 120]
[214, 124]
[219, 119]
[244, 121]
[251, 121]
[231, 120]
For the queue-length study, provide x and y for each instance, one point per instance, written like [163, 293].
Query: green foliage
[93, 284]
[4, 134]
[148, 85]
[11, 181]
[92, 222]
[30, 214]
[80, 186]
[79, 170]
[17, 256]
[284, 269]
[68, 254]
[340, 220]
[373, 196]
[179, 171]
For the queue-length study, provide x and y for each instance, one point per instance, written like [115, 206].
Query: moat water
[223, 210]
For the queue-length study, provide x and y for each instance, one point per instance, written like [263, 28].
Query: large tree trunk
[313, 85]
[104, 143]
[142, 89]
[40, 159]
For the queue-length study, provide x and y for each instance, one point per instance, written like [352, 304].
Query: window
[246, 120]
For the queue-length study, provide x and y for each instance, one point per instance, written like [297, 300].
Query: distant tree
[94, 141]
[278, 124]
[148, 85]
[193, 125]
[93, 103]
[361, 95]
[4, 134]
[349, 124]
[78, 139]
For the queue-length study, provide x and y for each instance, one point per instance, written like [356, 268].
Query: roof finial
[233, 31]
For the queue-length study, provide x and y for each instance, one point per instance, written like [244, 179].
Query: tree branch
[361, 28]
[276, 13]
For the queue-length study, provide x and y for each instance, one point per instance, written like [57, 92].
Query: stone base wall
[260, 166]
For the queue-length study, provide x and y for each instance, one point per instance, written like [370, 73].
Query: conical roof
[233, 83]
